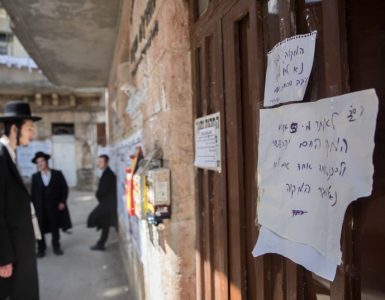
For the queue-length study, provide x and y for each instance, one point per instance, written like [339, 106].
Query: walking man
[18, 272]
[104, 215]
[49, 192]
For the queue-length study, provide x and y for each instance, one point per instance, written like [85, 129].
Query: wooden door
[211, 203]
[228, 76]
[243, 83]
[230, 42]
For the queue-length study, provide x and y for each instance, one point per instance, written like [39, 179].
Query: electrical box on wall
[159, 198]
[140, 185]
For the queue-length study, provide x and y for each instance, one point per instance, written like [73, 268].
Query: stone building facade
[73, 125]
[150, 96]
[69, 131]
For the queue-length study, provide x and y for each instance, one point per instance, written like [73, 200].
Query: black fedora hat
[40, 154]
[16, 111]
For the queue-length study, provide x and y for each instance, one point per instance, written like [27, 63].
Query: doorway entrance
[64, 157]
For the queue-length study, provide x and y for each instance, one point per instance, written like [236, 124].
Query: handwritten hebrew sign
[289, 65]
[208, 142]
[314, 159]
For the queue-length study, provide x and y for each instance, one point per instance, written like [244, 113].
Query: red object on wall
[129, 192]
[129, 180]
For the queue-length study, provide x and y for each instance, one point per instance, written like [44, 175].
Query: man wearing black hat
[18, 272]
[49, 192]
[104, 215]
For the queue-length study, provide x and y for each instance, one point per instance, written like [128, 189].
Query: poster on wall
[289, 65]
[314, 160]
[121, 153]
[208, 142]
[25, 155]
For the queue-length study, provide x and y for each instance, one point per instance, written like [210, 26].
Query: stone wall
[150, 90]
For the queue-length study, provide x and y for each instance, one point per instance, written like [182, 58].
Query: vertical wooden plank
[207, 231]
[234, 150]
[198, 181]
[250, 44]
[258, 70]
[292, 280]
[207, 215]
[220, 214]
[335, 84]
[365, 25]
[292, 277]
[211, 176]
[286, 13]
[193, 11]
[284, 279]
[249, 151]
[253, 90]
[332, 48]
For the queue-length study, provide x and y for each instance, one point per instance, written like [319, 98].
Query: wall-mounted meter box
[159, 198]
[140, 187]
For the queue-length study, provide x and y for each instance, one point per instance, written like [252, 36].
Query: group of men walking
[26, 217]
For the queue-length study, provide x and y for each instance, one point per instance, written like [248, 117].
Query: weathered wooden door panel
[243, 73]
[211, 202]
[230, 48]
[223, 224]
[366, 38]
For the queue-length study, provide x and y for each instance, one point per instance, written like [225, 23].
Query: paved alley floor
[82, 274]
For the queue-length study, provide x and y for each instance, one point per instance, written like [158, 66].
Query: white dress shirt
[46, 176]
[5, 141]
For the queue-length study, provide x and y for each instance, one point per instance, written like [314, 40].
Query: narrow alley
[81, 273]
[238, 145]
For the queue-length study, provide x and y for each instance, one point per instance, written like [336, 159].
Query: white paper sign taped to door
[208, 142]
[289, 65]
[314, 159]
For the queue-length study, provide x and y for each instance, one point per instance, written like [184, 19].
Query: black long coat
[47, 210]
[17, 240]
[105, 214]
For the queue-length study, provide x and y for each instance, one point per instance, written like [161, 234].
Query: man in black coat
[104, 215]
[18, 271]
[49, 192]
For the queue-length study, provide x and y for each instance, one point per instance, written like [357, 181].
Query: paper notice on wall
[120, 160]
[314, 159]
[307, 256]
[289, 65]
[208, 142]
